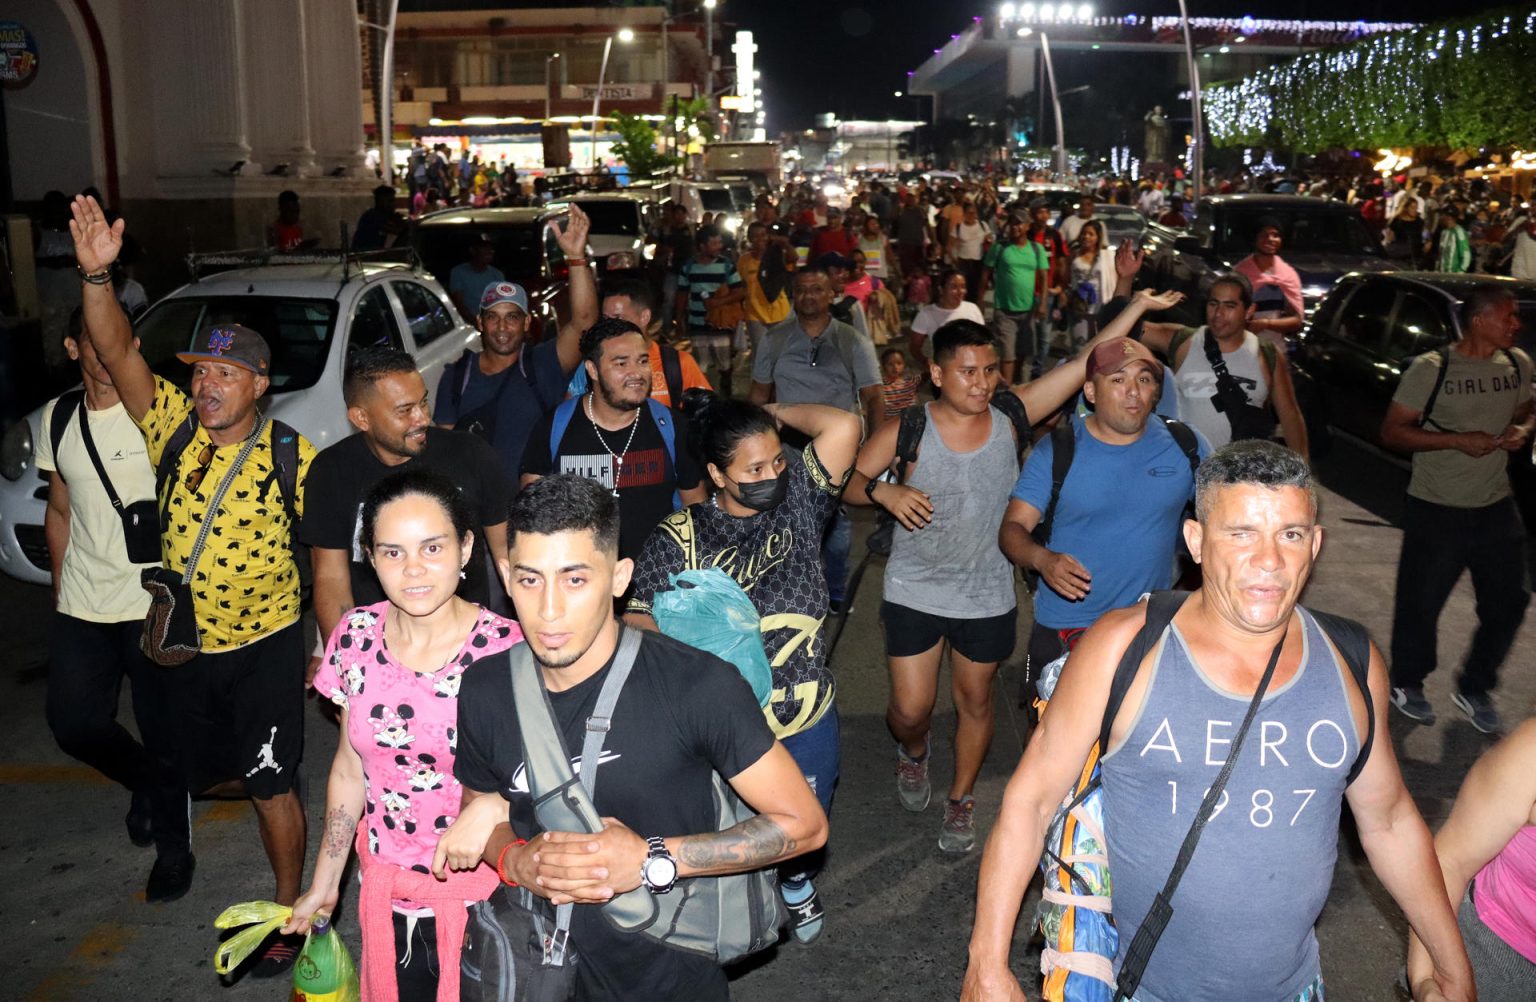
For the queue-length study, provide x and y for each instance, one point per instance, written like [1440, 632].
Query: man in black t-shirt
[618, 436]
[387, 402]
[682, 716]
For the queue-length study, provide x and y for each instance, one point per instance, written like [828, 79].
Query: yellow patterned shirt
[246, 585]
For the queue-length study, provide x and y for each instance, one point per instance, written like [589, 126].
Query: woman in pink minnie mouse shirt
[394, 670]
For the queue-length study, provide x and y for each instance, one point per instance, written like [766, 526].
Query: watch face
[660, 871]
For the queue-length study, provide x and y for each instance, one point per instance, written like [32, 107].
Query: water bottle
[324, 971]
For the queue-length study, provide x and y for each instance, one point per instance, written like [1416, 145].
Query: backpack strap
[672, 373]
[1270, 356]
[1162, 606]
[666, 424]
[1355, 646]
[560, 422]
[1013, 408]
[460, 381]
[67, 405]
[169, 458]
[909, 434]
[1063, 446]
[1189, 442]
[285, 459]
[601, 721]
[1434, 393]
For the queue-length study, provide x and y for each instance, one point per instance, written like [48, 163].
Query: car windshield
[619, 217]
[1303, 232]
[297, 330]
[715, 199]
[442, 248]
[742, 193]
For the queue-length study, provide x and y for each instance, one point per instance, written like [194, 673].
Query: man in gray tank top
[947, 582]
[1255, 886]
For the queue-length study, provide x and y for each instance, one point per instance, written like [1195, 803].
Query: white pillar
[202, 124]
[275, 72]
[335, 66]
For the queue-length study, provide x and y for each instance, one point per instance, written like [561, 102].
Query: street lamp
[1197, 126]
[1050, 72]
[548, 60]
[625, 35]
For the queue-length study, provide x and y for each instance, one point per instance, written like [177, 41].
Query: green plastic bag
[263, 917]
[707, 609]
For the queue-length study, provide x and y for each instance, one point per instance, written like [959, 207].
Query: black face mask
[764, 495]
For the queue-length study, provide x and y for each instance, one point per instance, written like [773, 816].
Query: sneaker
[806, 918]
[277, 959]
[140, 826]
[1479, 709]
[170, 877]
[912, 787]
[958, 833]
[1410, 702]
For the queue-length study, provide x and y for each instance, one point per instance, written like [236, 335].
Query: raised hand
[1160, 300]
[1128, 259]
[573, 238]
[97, 243]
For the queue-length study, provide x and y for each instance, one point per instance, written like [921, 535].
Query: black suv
[527, 252]
[1322, 240]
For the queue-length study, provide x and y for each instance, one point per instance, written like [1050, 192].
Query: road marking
[95, 951]
[221, 811]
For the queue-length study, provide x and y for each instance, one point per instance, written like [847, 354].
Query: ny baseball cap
[1117, 353]
[233, 343]
[504, 292]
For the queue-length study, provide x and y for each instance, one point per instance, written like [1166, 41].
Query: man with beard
[387, 403]
[502, 390]
[240, 701]
[617, 435]
[683, 716]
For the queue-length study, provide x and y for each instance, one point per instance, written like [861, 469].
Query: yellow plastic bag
[263, 917]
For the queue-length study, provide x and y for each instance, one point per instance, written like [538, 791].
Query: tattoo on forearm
[754, 843]
[339, 829]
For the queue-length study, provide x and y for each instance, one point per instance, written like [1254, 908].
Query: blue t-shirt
[535, 385]
[1120, 514]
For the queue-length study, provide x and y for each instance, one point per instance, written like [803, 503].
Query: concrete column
[1021, 69]
[335, 69]
[276, 78]
[202, 124]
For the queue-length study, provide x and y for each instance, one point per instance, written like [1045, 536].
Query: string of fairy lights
[1457, 84]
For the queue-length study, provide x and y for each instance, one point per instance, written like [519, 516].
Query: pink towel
[383, 884]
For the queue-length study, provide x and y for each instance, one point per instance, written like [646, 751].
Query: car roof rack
[199, 264]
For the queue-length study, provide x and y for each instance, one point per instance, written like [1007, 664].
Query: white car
[312, 316]
[621, 225]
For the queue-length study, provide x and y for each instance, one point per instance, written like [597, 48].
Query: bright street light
[710, 4]
[1005, 11]
[626, 35]
[1085, 12]
[897, 94]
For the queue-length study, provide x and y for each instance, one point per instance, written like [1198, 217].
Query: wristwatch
[659, 871]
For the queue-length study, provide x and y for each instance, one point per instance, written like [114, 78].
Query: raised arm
[1055, 387]
[834, 432]
[1052, 762]
[1497, 799]
[97, 244]
[1402, 854]
[584, 305]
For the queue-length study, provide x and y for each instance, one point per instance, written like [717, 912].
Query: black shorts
[909, 632]
[242, 715]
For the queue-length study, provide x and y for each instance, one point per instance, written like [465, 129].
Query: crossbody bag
[170, 635]
[141, 521]
[1247, 420]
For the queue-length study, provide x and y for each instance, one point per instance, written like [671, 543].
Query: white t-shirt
[968, 240]
[1196, 383]
[96, 582]
[1523, 264]
[933, 316]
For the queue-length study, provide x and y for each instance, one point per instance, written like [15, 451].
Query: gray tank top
[952, 566]
[1261, 873]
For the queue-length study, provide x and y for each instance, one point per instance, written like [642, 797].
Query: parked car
[1059, 198]
[312, 316]
[1322, 240]
[1349, 359]
[621, 227]
[1121, 222]
[699, 197]
[527, 251]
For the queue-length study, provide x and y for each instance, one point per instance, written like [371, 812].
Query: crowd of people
[978, 371]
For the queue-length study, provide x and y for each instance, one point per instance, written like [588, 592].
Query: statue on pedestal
[1155, 137]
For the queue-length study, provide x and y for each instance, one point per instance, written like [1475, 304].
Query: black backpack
[914, 421]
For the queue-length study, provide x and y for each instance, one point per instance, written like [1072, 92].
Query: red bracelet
[501, 858]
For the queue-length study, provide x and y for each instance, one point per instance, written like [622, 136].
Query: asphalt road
[71, 886]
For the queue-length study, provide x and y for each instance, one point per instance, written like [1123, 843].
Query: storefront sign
[18, 53]
[611, 92]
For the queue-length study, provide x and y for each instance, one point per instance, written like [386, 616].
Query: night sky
[848, 57]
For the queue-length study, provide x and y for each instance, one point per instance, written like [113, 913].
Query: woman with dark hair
[1093, 281]
[394, 670]
[764, 527]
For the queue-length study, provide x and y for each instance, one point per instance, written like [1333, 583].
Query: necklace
[618, 457]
